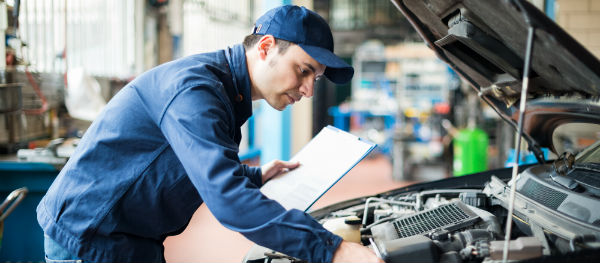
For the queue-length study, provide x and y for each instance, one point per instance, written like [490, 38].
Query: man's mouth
[292, 99]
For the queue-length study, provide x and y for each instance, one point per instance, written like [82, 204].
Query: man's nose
[307, 89]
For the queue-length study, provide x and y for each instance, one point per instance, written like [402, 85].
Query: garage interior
[65, 60]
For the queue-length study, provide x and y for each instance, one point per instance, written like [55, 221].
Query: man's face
[283, 79]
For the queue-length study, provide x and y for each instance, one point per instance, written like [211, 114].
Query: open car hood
[485, 42]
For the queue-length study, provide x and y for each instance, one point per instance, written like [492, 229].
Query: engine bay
[555, 216]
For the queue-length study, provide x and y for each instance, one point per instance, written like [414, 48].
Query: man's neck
[251, 57]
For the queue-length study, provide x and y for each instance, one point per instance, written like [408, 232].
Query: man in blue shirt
[168, 141]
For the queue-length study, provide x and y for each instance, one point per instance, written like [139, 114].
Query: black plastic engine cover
[410, 249]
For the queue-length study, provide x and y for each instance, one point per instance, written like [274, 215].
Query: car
[545, 85]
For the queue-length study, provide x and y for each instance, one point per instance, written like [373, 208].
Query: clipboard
[330, 155]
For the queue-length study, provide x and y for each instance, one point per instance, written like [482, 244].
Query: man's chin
[282, 108]
[277, 107]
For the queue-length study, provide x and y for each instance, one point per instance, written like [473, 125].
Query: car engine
[556, 215]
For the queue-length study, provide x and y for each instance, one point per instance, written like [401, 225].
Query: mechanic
[168, 141]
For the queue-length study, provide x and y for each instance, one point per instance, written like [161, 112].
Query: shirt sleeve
[197, 124]
[254, 174]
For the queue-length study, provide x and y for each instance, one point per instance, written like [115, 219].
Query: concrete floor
[205, 240]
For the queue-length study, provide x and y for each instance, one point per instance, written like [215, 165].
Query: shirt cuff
[332, 242]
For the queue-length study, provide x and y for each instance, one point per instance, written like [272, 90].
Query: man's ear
[265, 45]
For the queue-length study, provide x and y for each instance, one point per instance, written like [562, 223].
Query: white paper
[323, 161]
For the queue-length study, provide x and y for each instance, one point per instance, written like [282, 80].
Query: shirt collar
[236, 58]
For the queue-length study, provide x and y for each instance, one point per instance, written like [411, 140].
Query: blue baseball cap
[309, 31]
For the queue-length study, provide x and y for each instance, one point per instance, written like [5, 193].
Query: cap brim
[338, 71]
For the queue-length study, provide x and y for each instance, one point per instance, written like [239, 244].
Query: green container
[470, 151]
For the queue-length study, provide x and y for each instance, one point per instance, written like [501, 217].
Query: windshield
[574, 137]
[590, 155]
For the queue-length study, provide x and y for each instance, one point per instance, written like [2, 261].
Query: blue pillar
[270, 4]
[274, 125]
[275, 133]
[549, 9]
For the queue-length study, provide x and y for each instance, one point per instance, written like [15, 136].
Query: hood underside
[485, 42]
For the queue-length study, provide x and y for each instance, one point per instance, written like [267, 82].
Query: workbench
[23, 238]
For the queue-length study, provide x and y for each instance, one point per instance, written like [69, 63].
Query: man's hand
[275, 168]
[354, 252]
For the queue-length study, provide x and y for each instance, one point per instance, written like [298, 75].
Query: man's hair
[251, 40]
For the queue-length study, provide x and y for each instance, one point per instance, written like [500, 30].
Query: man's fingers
[276, 168]
[288, 165]
[284, 167]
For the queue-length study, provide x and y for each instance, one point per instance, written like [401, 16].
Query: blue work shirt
[166, 143]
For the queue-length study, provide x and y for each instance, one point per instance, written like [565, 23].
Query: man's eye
[303, 71]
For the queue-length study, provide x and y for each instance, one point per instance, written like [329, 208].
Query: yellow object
[348, 232]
